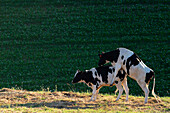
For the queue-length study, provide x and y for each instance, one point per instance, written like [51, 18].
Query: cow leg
[96, 94]
[120, 90]
[125, 86]
[144, 87]
[93, 93]
[116, 91]
[117, 68]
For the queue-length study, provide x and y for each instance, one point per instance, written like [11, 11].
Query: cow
[125, 59]
[101, 76]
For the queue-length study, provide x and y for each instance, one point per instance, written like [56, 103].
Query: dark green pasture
[44, 42]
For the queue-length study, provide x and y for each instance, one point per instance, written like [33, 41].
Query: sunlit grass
[45, 101]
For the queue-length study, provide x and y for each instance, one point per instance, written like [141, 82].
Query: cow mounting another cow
[127, 60]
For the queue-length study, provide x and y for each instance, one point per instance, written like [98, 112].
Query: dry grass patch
[71, 101]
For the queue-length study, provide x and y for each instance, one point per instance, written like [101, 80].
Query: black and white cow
[127, 60]
[102, 76]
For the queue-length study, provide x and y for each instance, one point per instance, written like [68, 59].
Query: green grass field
[44, 42]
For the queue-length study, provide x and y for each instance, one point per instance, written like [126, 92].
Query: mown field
[44, 42]
[13, 101]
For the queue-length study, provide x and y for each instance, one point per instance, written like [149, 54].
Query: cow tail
[153, 92]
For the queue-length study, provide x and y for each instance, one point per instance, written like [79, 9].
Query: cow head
[103, 60]
[77, 77]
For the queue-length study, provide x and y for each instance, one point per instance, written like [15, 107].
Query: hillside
[44, 101]
[44, 42]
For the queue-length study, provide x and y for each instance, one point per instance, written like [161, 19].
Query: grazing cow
[102, 76]
[127, 60]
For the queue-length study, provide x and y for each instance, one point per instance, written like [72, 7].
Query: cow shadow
[66, 104]
[55, 104]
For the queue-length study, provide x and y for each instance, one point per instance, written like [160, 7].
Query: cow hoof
[145, 102]
[116, 100]
[92, 100]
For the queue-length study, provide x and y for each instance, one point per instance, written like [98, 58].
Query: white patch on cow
[142, 64]
[137, 73]
[93, 70]
[110, 76]
[123, 52]
[100, 78]
[76, 73]
[146, 68]
[117, 68]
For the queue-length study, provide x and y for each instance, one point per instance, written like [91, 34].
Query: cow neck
[84, 76]
[112, 55]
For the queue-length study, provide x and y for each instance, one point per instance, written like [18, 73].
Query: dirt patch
[72, 100]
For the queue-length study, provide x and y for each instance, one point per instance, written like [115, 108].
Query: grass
[43, 43]
[15, 101]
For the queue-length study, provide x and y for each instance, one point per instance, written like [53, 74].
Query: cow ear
[78, 70]
[103, 52]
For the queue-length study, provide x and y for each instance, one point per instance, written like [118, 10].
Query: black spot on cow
[116, 82]
[132, 60]
[103, 71]
[78, 77]
[122, 57]
[124, 62]
[88, 77]
[109, 56]
[95, 73]
[97, 80]
[110, 70]
[113, 69]
[149, 76]
[121, 75]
